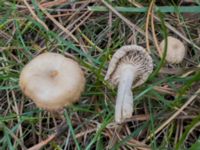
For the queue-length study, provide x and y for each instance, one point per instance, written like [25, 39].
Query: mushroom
[175, 50]
[52, 81]
[129, 67]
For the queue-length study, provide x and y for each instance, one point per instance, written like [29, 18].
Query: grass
[90, 122]
[164, 9]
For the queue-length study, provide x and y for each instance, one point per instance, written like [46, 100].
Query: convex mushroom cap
[52, 81]
[129, 67]
[175, 50]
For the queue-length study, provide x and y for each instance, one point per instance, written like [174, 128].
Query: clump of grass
[158, 121]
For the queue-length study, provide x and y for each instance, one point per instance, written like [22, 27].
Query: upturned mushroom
[52, 81]
[175, 50]
[129, 67]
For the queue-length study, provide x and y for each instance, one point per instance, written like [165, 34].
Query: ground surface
[166, 108]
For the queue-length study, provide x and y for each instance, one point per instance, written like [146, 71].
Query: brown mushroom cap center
[53, 73]
[175, 46]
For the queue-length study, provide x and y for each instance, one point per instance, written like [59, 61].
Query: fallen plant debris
[166, 107]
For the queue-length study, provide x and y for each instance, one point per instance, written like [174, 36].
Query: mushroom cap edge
[26, 77]
[119, 54]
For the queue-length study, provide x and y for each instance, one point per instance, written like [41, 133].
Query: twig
[81, 22]
[128, 22]
[154, 34]
[89, 41]
[35, 16]
[86, 132]
[138, 144]
[18, 112]
[164, 90]
[53, 3]
[58, 24]
[174, 115]
[58, 133]
[110, 28]
[189, 72]
[178, 33]
[147, 25]
[42, 143]
[170, 28]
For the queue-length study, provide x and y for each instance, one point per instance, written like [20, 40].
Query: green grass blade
[196, 145]
[195, 122]
[163, 9]
[71, 129]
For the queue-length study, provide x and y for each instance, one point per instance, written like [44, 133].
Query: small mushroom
[129, 67]
[175, 50]
[52, 81]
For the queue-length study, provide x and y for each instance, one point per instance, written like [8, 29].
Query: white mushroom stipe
[175, 50]
[124, 102]
[129, 67]
[52, 81]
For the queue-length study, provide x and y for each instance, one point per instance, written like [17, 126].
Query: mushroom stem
[124, 102]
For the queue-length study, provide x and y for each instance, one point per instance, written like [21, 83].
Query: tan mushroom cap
[133, 55]
[175, 50]
[52, 81]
